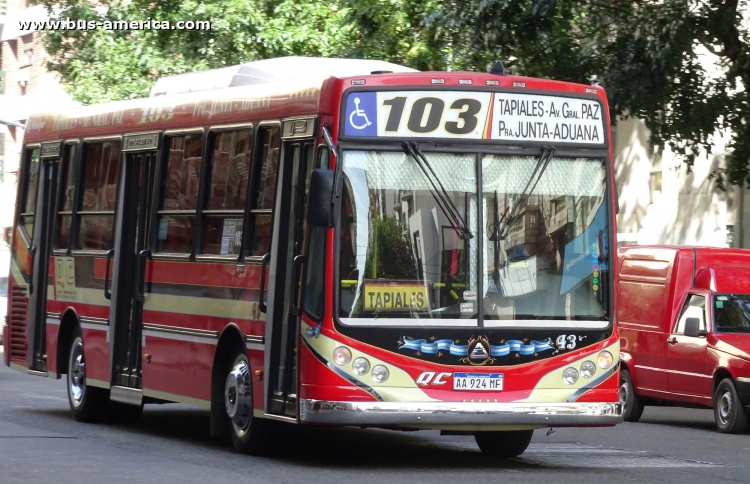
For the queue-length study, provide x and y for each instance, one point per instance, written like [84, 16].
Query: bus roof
[271, 70]
[262, 90]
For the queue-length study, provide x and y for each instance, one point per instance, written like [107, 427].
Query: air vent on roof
[498, 69]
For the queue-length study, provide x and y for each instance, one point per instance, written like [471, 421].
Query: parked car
[684, 318]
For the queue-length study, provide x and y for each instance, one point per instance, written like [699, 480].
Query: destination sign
[50, 150]
[474, 115]
[141, 142]
[395, 297]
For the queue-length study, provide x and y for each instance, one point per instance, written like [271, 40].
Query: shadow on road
[341, 448]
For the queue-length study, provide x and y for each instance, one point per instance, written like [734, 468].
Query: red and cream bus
[325, 242]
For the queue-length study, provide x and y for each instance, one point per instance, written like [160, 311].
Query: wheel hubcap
[238, 399]
[725, 407]
[77, 380]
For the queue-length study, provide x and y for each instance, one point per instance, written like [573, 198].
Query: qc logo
[361, 114]
[429, 378]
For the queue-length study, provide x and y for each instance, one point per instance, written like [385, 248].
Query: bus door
[287, 259]
[40, 252]
[129, 258]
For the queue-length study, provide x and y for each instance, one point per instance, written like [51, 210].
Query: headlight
[380, 373]
[361, 366]
[588, 369]
[604, 359]
[570, 376]
[342, 355]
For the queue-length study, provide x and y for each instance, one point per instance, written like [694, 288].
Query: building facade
[26, 87]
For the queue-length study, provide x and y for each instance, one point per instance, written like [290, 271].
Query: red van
[684, 318]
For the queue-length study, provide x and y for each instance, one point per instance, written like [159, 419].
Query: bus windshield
[402, 256]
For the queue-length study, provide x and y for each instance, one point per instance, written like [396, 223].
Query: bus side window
[30, 183]
[178, 200]
[67, 194]
[226, 196]
[96, 213]
[266, 167]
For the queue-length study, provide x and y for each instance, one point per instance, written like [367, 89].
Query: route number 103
[426, 115]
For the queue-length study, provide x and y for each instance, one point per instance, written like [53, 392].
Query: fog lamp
[342, 355]
[570, 376]
[588, 369]
[361, 366]
[380, 373]
[604, 359]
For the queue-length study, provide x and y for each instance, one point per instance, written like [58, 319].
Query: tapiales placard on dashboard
[498, 116]
[379, 296]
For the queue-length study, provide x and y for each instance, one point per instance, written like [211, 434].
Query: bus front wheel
[503, 445]
[247, 432]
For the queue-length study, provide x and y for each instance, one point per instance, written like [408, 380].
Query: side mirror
[692, 328]
[319, 204]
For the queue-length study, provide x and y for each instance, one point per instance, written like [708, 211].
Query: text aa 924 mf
[325, 242]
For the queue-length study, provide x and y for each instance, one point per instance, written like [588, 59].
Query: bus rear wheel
[248, 433]
[503, 445]
[88, 404]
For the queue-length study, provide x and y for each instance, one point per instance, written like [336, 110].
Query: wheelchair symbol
[359, 113]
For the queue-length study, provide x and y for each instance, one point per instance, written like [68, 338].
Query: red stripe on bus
[196, 321]
[195, 273]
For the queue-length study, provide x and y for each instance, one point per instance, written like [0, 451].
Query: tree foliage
[682, 66]
[104, 65]
[650, 55]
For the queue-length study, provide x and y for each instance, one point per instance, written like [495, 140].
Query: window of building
[67, 194]
[231, 155]
[99, 184]
[179, 193]
[27, 58]
[269, 140]
[29, 188]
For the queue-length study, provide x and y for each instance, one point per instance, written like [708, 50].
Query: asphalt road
[40, 442]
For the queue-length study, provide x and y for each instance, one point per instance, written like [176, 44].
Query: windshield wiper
[441, 195]
[502, 227]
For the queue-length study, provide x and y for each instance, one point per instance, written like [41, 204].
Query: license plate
[478, 381]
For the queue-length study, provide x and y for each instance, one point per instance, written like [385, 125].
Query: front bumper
[459, 414]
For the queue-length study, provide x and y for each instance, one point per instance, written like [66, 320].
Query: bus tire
[632, 405]
[729, 415]
[88, 404]
[248, 432]
[503, 444]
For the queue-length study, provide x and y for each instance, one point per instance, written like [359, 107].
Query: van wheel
[632, 406]
[88, 404]
[248, 433]
[503, 445]
[728, 412]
